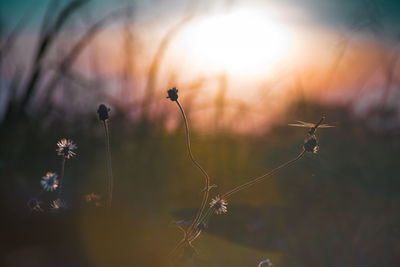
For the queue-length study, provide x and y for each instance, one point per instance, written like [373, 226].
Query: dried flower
[311, 144]
[266, 261]
[49, 181]
[219, 205]
[58, 204]
[173, 94]
[66, 148]
[103, 112]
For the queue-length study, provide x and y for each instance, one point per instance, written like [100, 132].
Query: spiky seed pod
[219, 205]
[103, 112]
[173, 94]
[66, 148]
[311, 144]
[49, 181]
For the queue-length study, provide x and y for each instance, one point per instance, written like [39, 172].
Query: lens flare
[243, 41]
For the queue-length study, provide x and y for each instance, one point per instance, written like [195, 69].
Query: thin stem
[262, 177]
[178, 246]
[211, 210]
[204, 219]
[109, 167]
[207, 177]
[62, 177]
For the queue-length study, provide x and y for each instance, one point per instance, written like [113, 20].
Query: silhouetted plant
[103, 113]
[65, 149]
[50, 181]
[218, 205]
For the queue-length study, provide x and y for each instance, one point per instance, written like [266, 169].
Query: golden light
[243, 41]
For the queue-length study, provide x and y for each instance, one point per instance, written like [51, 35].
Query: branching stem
[225, 196]
[262, 177]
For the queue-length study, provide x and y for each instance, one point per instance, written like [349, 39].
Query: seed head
[103, 111]
[49, 181]
[267, 262]
[58, 204]
[219, 205]
[173, 94]
[66, 148]
[311, 144]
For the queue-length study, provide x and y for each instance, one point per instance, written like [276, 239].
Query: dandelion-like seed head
[50, 181]
[103, 111]
[267, 263]
[311, 144]
[66, 148]
[219, 205]
[58, 204]
[173, 94]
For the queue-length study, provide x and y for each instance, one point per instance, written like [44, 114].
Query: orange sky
[311, 60]
[250, 63]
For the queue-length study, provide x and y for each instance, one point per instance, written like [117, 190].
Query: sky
[264, 45]
[338, 13]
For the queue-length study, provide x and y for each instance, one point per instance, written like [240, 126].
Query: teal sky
[337, 12]
[341, 15]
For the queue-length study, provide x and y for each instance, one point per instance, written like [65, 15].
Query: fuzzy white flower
[66, 148]
[50, 181]
[267, 262]
[219, 205]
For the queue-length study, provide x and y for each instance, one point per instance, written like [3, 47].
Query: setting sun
[242, 41]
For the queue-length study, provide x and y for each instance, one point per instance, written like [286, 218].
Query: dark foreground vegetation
[336, 208]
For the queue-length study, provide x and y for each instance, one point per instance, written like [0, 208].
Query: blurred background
[244, 70]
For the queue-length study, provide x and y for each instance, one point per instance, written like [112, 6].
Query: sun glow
[239, 42]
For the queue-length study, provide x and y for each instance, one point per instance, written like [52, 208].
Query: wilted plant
[218, 205]
[103, 113]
